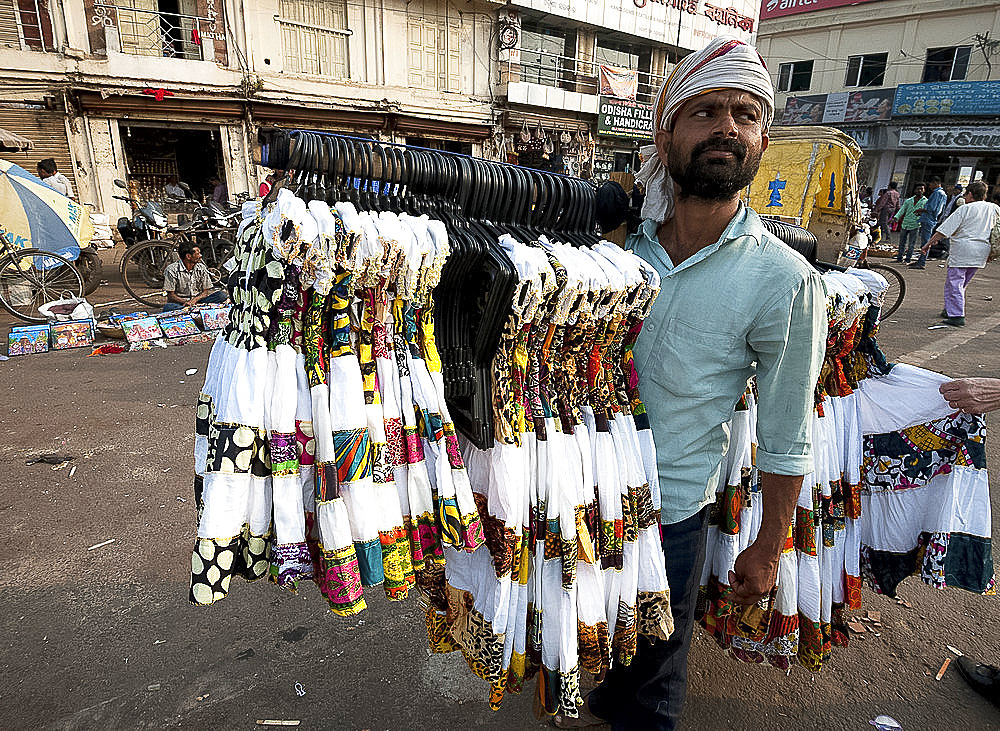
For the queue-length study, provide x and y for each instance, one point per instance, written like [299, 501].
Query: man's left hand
[755, 573]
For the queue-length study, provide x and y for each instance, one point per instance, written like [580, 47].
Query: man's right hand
[972, 395]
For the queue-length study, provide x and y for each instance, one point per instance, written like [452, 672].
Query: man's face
[43, 174]
[918, 191]
[194, 257]
[714, 148]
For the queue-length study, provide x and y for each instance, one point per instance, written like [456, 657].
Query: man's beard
[714, 179]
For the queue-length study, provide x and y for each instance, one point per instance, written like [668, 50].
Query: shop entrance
[922, 169]
[156, 156]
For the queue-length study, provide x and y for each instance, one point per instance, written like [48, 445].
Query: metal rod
[429, 149]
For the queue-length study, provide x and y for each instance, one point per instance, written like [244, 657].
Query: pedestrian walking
[956, 198]
[885, 208]
[712, 117]
[909, 221]
[969, 230]
[929, 218]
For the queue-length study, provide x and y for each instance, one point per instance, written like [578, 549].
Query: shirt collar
[745, 223]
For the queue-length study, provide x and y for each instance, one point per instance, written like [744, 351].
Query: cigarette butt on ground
[99, 545]
[274, 722]
[944, 666]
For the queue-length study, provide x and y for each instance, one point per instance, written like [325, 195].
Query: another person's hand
[754, 574]
[972, 395]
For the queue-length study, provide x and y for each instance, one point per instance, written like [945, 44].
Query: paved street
[106, 638]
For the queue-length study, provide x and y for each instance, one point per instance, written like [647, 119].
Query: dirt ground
[106, 638]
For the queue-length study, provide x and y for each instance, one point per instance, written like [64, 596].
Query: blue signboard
[952, 98]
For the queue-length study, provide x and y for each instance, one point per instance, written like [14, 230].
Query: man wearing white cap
[735, 302]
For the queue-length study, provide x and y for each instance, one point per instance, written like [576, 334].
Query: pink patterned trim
[414, 447]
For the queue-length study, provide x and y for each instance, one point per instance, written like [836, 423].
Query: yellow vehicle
[808, 176]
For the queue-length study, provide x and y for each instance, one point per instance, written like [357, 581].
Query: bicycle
[855, 254]
[31, 277]
[897, 286]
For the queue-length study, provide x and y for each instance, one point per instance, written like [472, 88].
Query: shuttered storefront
[47, 129]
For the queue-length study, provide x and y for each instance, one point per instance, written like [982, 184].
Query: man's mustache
[736, 147]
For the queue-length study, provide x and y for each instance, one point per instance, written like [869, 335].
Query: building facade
[917, 84]
[577, 77]
[150, 91]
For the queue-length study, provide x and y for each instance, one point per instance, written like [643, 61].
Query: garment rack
[479, 201]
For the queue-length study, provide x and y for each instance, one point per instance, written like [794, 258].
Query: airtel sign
[780, 8]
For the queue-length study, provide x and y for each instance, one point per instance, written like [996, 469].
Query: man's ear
[764, 140]
[662, 142]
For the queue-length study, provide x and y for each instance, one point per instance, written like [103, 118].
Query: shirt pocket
[693, 362]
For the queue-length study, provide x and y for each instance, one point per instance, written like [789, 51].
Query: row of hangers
[479, 201]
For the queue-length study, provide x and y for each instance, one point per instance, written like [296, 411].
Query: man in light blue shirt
[929, 215]
[734, 302]
[745, 299]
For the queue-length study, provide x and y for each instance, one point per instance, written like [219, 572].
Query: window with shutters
[9, 35]
[433, 35]
[314, 37]
[139, 27]
[25, 25]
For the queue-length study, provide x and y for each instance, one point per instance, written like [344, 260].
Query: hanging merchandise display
[572, 571]
[427, 385]
[899, 488]
[326, 446]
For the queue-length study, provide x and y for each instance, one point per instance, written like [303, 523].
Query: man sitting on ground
[187, 282]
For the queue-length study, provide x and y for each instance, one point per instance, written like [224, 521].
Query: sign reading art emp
[624, 118]
[950, 138]
[953, 98]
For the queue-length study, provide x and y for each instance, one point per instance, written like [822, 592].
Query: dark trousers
[907, 241]
[649, 694]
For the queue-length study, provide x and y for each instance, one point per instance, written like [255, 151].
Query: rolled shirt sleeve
[789, 340]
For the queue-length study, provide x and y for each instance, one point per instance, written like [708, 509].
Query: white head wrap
[725, 63]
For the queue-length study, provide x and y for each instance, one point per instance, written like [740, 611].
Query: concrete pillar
[586, 72]
[107, 162]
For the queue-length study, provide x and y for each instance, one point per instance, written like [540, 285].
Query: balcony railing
[155, 32]
[571, 74]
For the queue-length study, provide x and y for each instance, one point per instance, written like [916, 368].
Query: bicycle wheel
[31, 277]
[897, 288]
[223, 250]
[142, 271]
